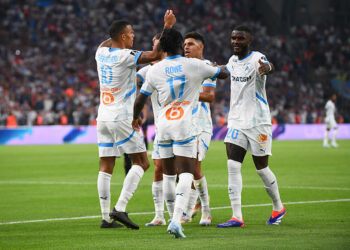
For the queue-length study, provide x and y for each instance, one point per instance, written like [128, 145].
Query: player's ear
[201, 46]
[123, 36]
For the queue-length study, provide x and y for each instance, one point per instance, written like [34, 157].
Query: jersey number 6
[174, 113]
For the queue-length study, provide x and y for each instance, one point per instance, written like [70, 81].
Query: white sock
[157, 192]
[235, 187]
[335, 131]
[193, 195]
[183, 189]
[104, 194]
[271, 187]
[169, 193]
[131, 181]
[325, 139]
[202, 187]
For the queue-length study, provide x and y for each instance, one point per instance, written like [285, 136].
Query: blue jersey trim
[260, 98]
[246, 56]
[216, 75]
[204, 106]
[205, 145]
[125, 140]
[137, 57]
[209, 85]
[227, 69]
[141, 78]
[131, 92]
[165, 145]
[145, 92]
[195, 110]
[172, 57]
[114, 49]
[183, 142]
[106, 145]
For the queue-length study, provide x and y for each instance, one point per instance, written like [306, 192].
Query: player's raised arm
[155, 54]
[265, 68]
[106, 43]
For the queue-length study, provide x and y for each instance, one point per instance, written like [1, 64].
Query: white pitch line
[16, 182]
[143, 213]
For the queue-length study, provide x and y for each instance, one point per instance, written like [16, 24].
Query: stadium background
[48, 72]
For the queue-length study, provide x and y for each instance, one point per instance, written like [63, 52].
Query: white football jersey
[248, 104]
[117, 74]
[142, 73]
[202, 110]
[178, 81]
[330, 109]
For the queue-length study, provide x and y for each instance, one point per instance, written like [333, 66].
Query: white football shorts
[257, 140]
[203, 145]
[186, 148]
[116, 138]
[331, 123]
[155, 151]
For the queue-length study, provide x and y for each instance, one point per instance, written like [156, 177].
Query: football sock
[169, 192]
[104, 194]
[202, 187]
[235, 187]
[183, 189]
[335, 131]
[157, 192]
[191, 202]
[131, 181]
[271, 187]
[325, 139]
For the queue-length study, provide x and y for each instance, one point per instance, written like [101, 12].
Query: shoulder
[207, 62]
[233, 59]
[256, 55]
[102, 50]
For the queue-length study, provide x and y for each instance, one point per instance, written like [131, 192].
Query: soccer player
[116, 65]
[330, 122]
[249, 125]
[193, 48]
[157, 185]
[177, 81]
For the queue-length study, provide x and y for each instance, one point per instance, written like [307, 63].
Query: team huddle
[181, 84]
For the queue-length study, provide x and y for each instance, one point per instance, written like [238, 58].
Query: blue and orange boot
[276, 217]
[233, 222]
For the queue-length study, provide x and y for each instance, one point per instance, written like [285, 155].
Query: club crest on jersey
[262, 140]
[247, 68]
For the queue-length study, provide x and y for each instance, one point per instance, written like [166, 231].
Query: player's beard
[243, 51]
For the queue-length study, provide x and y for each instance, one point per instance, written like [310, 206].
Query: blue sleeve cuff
[141, 78]
[145, 92]
[137, 57]
[228, 70]
[209, 85]
[216, 75]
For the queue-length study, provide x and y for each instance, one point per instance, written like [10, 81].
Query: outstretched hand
[264, 68]
[136, 124]
[169, 19]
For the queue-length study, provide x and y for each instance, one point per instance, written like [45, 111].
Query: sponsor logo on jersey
[110, 90]
[241, 78]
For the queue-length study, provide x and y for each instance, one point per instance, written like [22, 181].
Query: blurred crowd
[48, 72]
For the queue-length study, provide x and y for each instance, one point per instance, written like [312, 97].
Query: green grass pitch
[52, 182]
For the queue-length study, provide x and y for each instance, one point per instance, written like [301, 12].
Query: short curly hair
[171, 41]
